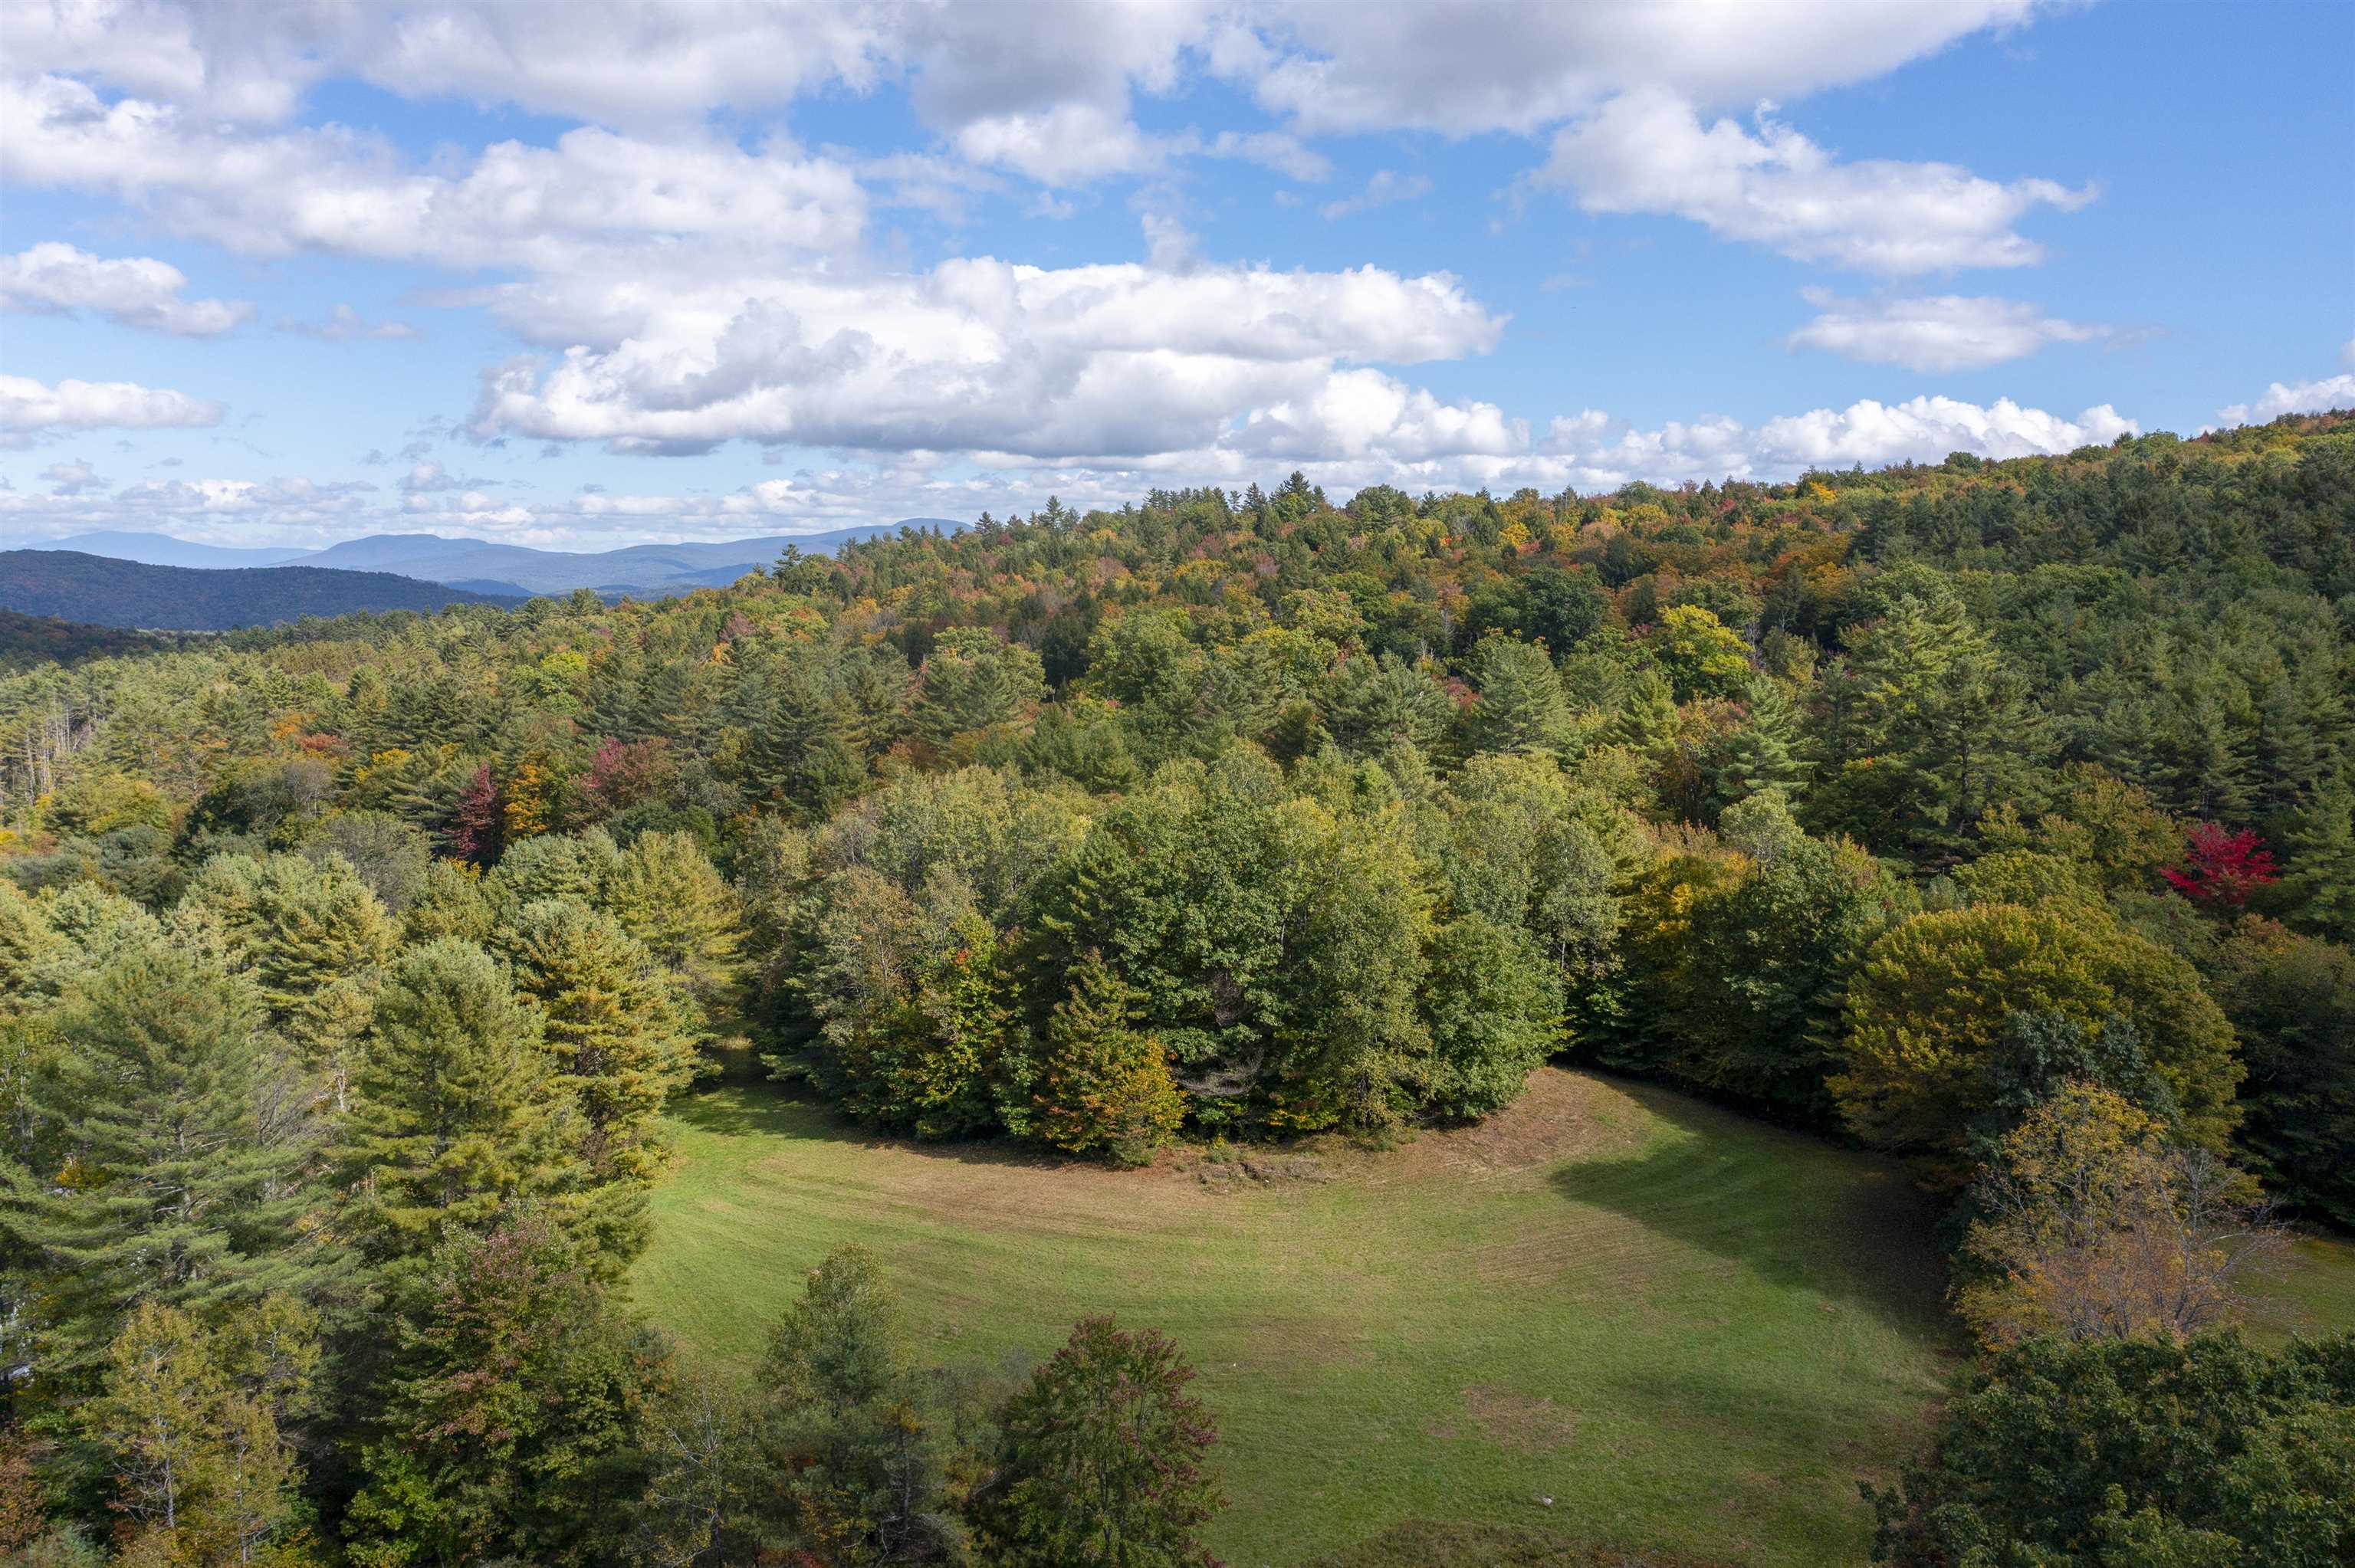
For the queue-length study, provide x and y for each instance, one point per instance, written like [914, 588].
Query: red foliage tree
[2222, 868]
[622, 774]
[477, 828]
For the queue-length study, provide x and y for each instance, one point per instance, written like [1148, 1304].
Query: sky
[582, 275]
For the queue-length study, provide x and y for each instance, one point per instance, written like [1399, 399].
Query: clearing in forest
[1690, 1331]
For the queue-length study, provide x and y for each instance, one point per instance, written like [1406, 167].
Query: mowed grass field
[1691, 1331]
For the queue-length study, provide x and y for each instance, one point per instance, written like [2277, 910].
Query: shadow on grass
[1796, 1209]
[776, 1110]
[1424, 1544]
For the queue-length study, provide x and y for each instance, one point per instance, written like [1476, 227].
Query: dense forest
[100, 591]
[1998, 815]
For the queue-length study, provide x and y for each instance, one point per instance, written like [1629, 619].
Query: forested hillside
[70, 585]
[27, 642]
[2000, 816]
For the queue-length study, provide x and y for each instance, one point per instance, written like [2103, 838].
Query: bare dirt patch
[1224, 1168]
[1518, 1421]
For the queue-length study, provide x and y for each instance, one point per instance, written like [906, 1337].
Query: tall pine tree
[613, 1025]
[460, 1116]
[184, 1153]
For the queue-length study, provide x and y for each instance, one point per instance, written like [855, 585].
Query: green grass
[1693, 1333]
[2312, 1292]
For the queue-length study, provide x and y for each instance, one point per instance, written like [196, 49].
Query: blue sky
[584, 275]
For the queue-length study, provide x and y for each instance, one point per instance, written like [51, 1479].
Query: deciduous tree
[1103, 1460]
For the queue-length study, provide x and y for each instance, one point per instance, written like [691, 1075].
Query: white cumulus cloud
[133, 292]
[347, 193]
[1466, 66]
[1938, 332]
[29, 409]
[2281, 398]
[1649, 151]
[975, 355]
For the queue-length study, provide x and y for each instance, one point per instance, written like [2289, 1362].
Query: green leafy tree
[1276, 944]
[2111, 829]
[449, 903]
[1758, 1013]
[1102, 1460]
[388, 854]
[189, 1418]
[907, 997]
[511, 1415]
[2134, 1453]
[1926, 1008]
[1563, 607]
[1701, 657]
[1516, 842]
[1494, 1003]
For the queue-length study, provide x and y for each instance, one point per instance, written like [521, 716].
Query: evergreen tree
[2320, 886]
[861, 1446]
[1762, 754]
[186, 1148]
[665, 892]
[1927, 729]
[1102, 1087]
[2291, 999]
[1646, 722]
[973, 680]
[613, 1025]
[841, 1345]
[802, 746]
[315, 938]
[27, 948]
[460, 1116]
[1521, 706]
[1374, 704]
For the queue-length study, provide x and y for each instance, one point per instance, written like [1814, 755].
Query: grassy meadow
[1693, 1333]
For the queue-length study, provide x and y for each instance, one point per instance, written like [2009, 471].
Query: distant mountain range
[97, 591]
[512, 571]
[163, 550]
